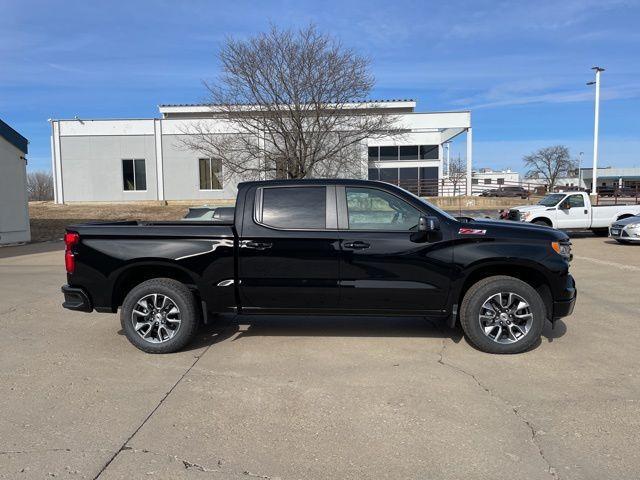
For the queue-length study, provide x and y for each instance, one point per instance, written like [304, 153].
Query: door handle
[254, 245]
[357, 245]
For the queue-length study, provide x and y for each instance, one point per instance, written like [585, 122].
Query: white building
[486, 178]
[14, 206]
[143, 159]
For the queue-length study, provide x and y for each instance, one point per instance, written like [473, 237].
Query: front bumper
[623, 232]
[75, 298]
[564, 307]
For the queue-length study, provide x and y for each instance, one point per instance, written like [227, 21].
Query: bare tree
[457, 173]
[40, 185]
[288, 103]
[549, 164]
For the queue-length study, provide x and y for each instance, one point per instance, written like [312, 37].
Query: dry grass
[48, 220]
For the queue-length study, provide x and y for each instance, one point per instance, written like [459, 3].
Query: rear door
[576, 216]
[289, 250]
[382, 268]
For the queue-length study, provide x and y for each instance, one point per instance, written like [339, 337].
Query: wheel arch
[137, 273]
[545, 220]
[529, 274]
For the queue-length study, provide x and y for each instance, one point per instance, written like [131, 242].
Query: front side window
[294, 207]
[210, 170]
[372, 209]
[134, 175]
[576, 201]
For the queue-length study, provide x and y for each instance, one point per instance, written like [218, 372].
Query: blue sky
[521, 67]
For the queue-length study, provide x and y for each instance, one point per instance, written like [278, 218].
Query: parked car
[626, 230]
[206, 213]
[617, 191]
[506, 192]
[323, 247]
[572, 211]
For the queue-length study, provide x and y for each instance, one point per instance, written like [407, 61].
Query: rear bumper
[76, 299]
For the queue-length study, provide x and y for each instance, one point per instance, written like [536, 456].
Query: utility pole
[594, 183]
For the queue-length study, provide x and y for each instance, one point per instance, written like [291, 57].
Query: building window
[429, 152]
[389, 175]
[501, 181]
[487, 181]
[409, 152]
[373, 154]
[210, 173]
[374, 174]
[474, 181]
[388, 153]
[134, 175]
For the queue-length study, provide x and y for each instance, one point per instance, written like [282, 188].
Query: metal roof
[13, 137]
[392, 100]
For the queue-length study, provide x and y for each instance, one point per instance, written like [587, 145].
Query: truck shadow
[238, 327]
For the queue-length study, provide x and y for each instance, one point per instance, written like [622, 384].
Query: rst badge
[471, 231]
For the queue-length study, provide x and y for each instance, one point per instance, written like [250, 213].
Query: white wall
[87, 155]
[14, 211]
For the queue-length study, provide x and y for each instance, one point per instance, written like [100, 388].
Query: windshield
[432, 206]
[551, 200]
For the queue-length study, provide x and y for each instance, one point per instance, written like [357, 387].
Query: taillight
[70, 240]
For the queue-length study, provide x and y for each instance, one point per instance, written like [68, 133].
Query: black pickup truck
[323, 247]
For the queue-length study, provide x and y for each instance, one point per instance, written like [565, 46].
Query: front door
[382, 268]
[576, 216]
[288, 259]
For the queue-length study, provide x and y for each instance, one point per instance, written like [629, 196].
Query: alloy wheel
[505, 317]
[156, 318]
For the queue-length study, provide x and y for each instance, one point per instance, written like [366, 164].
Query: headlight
[526, 215]
[562, 249]
[633, 226]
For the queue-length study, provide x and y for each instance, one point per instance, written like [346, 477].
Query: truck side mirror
[428, 224]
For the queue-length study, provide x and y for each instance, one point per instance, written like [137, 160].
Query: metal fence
[523, 189]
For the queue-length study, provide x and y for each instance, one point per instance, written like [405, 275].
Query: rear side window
[294, 207]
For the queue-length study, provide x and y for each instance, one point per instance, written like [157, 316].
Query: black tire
[600, 232]
[179, 295]
[624, 242]
[478, 294]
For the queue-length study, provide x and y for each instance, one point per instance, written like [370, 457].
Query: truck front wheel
[502, 314]
[160, 316]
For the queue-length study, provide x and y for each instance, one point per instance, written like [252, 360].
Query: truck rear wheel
[160, 316]
[502, 314]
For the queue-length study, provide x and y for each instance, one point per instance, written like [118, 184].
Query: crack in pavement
[188, 464]
[534, 433]
[125, 445]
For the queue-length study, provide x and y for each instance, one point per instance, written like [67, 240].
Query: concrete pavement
[295, 398]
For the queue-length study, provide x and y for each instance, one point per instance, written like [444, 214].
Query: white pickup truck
[572, 211]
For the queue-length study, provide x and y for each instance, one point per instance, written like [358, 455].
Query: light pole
[594, 183]
[580, 170]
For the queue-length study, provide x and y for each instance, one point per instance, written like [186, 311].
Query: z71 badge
[471, 231]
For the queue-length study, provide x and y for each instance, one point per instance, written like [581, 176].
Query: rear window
[294, 207]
